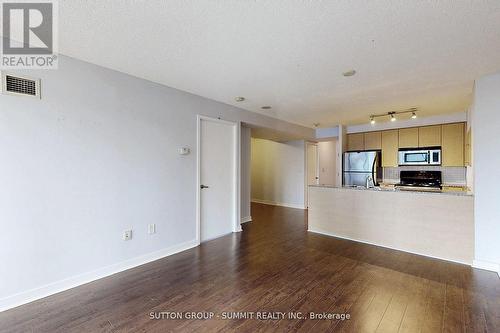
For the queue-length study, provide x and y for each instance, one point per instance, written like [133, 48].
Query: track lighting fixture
[392, 115]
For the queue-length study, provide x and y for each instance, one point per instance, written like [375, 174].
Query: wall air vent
[18, 85]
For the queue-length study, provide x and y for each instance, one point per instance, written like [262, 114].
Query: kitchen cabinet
[468, 147]
[355, 141]
[373, 141]
[453, 139]
[452, 144]
[429, 136]
[390, 146]
[408, 137]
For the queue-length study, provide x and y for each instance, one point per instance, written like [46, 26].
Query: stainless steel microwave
[428, 156]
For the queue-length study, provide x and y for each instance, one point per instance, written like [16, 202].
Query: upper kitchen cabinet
[390, 146]
[452, 144]
[468, 148]
[355, 141]
[373, 141]
[408, 137]
[452, 138]
[429, 136]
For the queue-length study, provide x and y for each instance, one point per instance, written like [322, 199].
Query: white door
[312, 167]
[217, 178]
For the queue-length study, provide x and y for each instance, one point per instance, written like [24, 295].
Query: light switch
[127, 235]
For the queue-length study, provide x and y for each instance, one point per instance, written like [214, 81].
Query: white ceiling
[290, 54]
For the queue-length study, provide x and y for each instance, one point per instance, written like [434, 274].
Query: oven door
[414, 157]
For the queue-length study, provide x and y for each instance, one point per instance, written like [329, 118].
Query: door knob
[203, 186]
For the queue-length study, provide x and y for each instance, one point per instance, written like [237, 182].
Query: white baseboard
[75, 281]
[388, 247]
[246, 219]
[486, 265]
[281, 204]
[220, 235]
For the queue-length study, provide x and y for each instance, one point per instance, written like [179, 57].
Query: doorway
[312, 168]
[218, 178]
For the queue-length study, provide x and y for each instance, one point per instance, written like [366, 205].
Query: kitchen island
[439, 225]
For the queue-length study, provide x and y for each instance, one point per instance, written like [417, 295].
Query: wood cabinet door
[356, 141]
[373, 141]
[408, 137]
[468, 147]
[429, 136]
[390, 145]
[453, 144]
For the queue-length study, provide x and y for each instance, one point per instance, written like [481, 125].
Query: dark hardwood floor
[274, 265]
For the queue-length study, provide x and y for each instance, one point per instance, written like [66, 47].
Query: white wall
[327, 151]
[95, 156]
[245, 154]
[328, 132]
[278, 175]
[486, 128]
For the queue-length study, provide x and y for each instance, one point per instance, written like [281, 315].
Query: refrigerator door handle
[373, 169]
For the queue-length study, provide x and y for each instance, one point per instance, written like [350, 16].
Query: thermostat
[184, 151]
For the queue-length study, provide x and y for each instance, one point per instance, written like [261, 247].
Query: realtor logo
[29, 38]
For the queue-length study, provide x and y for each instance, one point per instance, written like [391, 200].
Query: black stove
[420, 179]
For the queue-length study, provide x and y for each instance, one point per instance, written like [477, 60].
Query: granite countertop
[447, 190]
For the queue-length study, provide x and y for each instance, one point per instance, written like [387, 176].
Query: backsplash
[451, 175]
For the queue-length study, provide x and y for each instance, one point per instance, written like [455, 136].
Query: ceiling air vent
[17, 85]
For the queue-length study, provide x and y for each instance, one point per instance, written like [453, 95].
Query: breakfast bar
[439, 225]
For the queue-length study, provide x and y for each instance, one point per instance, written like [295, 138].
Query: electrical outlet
[152, 228]
[127, 235]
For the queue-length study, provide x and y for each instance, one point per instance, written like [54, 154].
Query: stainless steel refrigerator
[362, 168]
